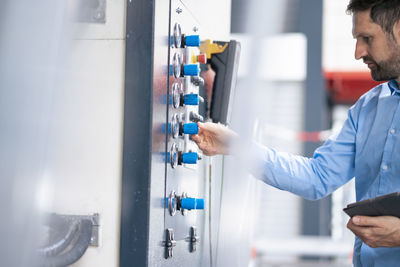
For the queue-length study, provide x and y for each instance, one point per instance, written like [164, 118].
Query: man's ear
[396, 31]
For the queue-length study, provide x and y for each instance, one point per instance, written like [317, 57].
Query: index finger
[200, 125]
[366, 220]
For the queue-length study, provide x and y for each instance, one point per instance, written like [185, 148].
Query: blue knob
[189, 158]
[191, 70]
[190, 128]
[192, 40]
[192, 203]
[191, 99]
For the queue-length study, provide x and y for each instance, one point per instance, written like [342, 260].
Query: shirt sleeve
[312, 178]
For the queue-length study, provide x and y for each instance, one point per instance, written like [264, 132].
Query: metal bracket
[170, 243]
[91, 11]
[95, 218]
[193, 239]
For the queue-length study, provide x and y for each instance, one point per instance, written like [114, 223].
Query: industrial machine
[102, 170]
[166, 208]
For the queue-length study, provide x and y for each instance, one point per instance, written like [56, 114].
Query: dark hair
[385, 13]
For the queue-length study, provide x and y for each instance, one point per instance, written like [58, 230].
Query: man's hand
[381, 231]
[214, 138]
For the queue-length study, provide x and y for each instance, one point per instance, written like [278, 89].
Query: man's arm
[312, 178]
[381, 231]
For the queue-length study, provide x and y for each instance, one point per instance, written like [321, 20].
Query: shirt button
[392, 131]
[384, 167]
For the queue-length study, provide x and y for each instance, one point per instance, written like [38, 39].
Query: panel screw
[195, 29]
[99, 15]
[179, 10]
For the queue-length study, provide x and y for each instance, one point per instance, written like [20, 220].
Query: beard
[389, 69]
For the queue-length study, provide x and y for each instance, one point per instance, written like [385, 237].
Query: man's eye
[366, 39]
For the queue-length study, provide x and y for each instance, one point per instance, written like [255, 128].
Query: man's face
[379, 50]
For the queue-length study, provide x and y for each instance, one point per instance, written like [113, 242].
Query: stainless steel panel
[162, 177]
[187, 178]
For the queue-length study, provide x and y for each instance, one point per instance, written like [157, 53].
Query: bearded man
[367, 147]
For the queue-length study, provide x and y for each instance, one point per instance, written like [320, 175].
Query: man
[367, 147]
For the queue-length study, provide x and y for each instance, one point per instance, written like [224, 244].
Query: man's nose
[361, 50]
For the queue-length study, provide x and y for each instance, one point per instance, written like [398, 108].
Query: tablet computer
[386, 205]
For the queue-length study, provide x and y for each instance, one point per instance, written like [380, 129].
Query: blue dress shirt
[365, 148]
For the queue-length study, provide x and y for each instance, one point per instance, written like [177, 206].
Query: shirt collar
[394, 88]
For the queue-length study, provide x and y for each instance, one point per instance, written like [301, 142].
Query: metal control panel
[164, 175]
[163, 184]
[185, 177]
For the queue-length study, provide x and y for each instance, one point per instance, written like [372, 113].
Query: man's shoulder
[370, 98]
[374, 93]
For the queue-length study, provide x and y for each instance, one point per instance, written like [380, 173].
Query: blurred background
[87, 91]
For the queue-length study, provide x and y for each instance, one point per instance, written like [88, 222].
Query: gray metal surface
[137, 141]
[156, 249]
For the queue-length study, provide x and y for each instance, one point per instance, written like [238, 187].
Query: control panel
[184, 203]
[165, 185]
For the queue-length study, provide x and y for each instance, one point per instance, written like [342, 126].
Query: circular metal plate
[176, 65]
[177, 35]
[175, 125]
[173, 155]
[172, 203]
[176, 94]
[183, 211]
